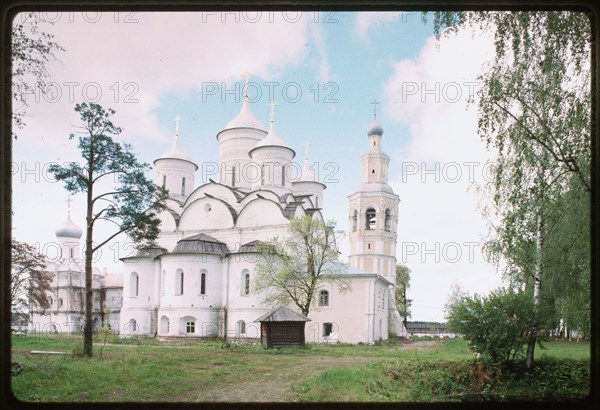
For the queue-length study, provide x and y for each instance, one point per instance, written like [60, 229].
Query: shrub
[496, 326]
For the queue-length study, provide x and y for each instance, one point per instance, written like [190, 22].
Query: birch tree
[292, 269]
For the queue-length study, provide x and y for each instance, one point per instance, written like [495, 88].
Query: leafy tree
[402, 285]
[292, 269]
[131, 204]
[535, 112]
[497, 326]
[30, 282]
[32, 50]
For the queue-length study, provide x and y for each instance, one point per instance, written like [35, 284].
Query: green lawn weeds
[149, 370]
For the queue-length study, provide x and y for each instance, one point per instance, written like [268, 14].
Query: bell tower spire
[373, 217]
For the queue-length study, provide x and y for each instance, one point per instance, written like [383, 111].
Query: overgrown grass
[192, 370]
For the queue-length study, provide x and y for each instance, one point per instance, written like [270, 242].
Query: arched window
[241, 327]
[233, 176]
[370, 219]
[316, 202]
[134, 284]
[164, 325]
[355, 220]
[203, 283]
[71, 252]
[245, 282]
[327, 329]
[388, 220]
[60, 302]
[179, 277]
[164, 184]
[51, 301]
[132, 325]
[323, 298]
[183, 186]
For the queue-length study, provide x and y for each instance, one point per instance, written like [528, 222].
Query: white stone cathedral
[198, 281]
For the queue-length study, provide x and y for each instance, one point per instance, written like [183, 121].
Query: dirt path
[274, 382]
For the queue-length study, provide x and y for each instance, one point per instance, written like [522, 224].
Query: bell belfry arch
[373, 219]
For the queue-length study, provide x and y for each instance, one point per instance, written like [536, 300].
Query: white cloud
[440, 227]
[365, 21]
[188, 50]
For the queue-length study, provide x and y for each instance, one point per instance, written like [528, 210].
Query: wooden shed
[282, 327]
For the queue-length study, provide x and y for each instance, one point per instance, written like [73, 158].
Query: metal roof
[282, 314]
[201, 243]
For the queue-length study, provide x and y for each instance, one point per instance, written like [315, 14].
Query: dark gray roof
[282, 314]
[201, 243]
[148, 253]
[251, 247]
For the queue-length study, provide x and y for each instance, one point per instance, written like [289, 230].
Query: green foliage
[402, 285]
[497, 326]
[32, 52]
[132, 204]
[29, 280]
[535, 113]
[292, 269]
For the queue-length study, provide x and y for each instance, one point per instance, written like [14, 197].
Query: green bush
[496, 326]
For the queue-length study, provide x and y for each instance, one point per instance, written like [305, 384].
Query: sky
[323, 70]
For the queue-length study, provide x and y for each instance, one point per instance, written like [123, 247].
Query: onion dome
[374, 129]
[68, 230]
[245, 119]
[272, 140]
[175, 152]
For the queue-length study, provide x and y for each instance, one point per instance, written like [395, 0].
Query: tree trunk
[537, 295]
[88, 342]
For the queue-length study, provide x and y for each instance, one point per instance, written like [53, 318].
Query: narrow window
[262, 174]
[183, 186]
[316, 202]
[60, 302]
[203, 283]
[132, 325]
[370, 219]
[179, 276]
[134, 284]
[164, 184]
[51, 301]
[233, 177]
[388, 220]
[354, 220]
[324, 298]
[245, 283]
[283, 175]
[327, 329]
[190, 327]
[241, 327]
[71, 253]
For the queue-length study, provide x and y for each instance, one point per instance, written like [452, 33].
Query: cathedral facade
[198, 281]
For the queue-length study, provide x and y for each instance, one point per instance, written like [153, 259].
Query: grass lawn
[195, 371]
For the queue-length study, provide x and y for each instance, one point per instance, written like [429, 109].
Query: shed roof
[282, 314]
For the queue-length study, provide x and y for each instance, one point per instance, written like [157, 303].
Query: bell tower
[373, 217]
